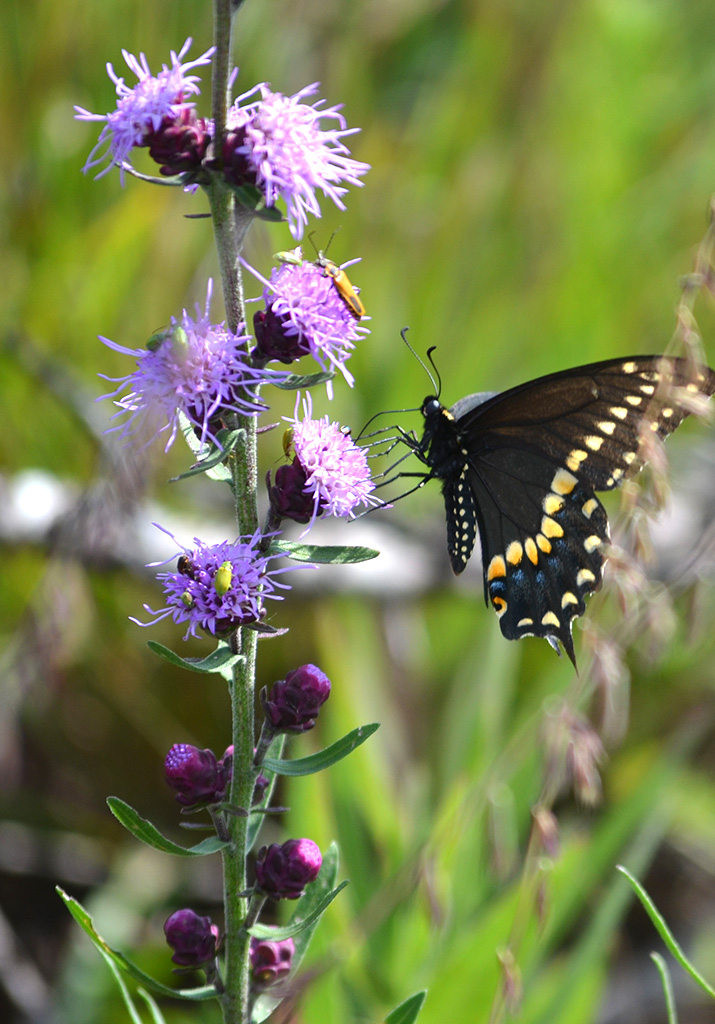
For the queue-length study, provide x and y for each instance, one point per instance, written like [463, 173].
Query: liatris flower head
[219, 587]
[282, 146]
[282, 872]
[293, 703]
[305, 315]
[156, 104]
[193, 938]
[329, 474]
[270, 961]
[194, 368]
[195, 774]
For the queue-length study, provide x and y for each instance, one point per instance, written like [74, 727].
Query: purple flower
[277, 144]
[294, 702]
[282, 872]
[270, 961]
[154, 101]
[196, 369]
[198, 600]
[193, 938]
[196, 775]
[306, 315]
[327, 467]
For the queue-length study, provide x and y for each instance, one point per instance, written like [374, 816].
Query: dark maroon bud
[236, 167]
[195, 774]
[180, 143]
[270, 961]
[193, 938]
[288, 498]
[282, 872]
[294, 702]
[277, 338]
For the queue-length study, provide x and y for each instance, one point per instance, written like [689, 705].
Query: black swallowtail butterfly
[522, 466]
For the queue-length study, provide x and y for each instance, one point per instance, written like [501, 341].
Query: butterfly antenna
[436, 384]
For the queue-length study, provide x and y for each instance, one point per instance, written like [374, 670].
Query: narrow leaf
[85, 922]
[147, 833]
[289, 931]
[300, 382]
[407, 1012]
[324, 758]
[228, 439]
[667, 987]
[219, 660]
[121, 984]
[664, 931]
[323, 553]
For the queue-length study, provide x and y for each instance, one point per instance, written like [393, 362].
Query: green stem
[230, 227]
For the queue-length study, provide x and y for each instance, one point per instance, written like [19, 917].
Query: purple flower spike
[193, 938]
[196, 369]
[155, 101]
[294, 702]
[282, 872]
[196, 775]
[305, 314]
[278, 145]
[336, 471]
[195, 598]
[270, 961]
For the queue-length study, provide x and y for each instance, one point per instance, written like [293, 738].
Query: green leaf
[85, 922]
[300, 382]
[219, 660]
[228, 439]
[147, 833]
[156, 1015]
[408, 1011]
[314, 895]
[324, 758]
[667, 987]
[289, 931]
[322, 553]
[664, 931]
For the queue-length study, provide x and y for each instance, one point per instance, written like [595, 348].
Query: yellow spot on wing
[593, 442]
[543, 543]
[550, 528]
[576, 457]
[514, 553]
[634, 399]
[531, 551]
[550, 619]
[568, 598]
[606, 427]
[618, 411]
[591, 543]
[552, 504]
[524, 622]
[585, 576]
[629, 367]
[497, 567]
[589, 507]
[563, 482]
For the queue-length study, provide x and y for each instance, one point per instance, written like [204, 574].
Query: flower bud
[196, 775]
[179, 144]
[277, 338]
[282, 872]
[193, 938]
[294, 702]
[288, 496]
[270, 961]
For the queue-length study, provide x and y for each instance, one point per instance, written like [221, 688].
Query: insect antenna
[436, 384]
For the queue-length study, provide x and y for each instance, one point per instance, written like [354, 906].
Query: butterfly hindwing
[522, 467]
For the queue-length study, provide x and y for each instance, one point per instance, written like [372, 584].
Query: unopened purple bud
[196, 775]
[193, 938]
[288, 496]
[282, 872]
[259, 789]
[271, 961]
[277, 337]
[294, 702]
[180, 143]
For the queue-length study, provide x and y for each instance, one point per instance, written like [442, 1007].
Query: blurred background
[541, 181]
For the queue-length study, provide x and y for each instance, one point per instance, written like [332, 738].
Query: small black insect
[522, 466]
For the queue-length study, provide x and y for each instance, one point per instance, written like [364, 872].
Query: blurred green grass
[541, 175]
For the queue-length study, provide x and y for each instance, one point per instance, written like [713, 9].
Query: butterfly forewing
[523, 465]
